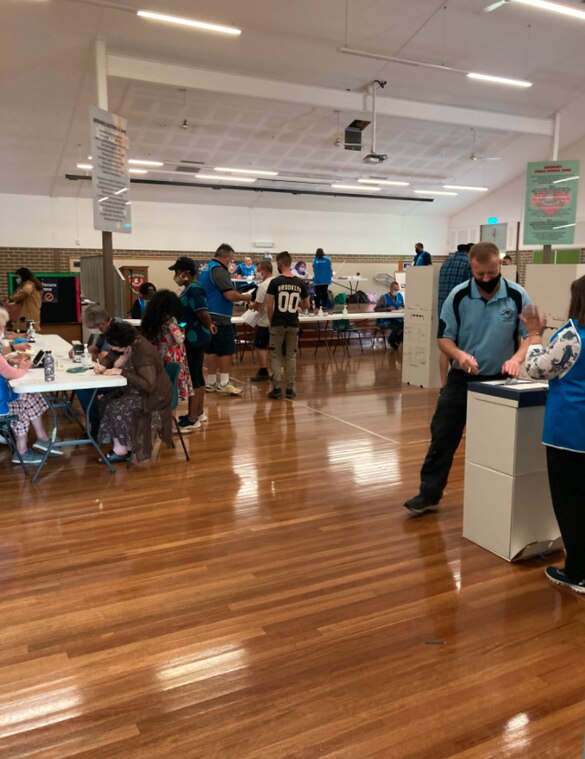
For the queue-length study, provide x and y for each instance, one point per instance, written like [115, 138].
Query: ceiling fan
[477, 155]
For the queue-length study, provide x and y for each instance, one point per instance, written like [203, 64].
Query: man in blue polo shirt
[479, 332]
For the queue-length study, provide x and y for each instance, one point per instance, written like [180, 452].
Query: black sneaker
[560, 578]
[275, 393]
[260, 377]
[420, 504]
[290, 393]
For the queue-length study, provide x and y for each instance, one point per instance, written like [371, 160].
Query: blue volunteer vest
[216, 302]
[6, 395]
[564, 415]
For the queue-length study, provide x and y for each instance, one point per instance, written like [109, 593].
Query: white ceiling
[48, 82]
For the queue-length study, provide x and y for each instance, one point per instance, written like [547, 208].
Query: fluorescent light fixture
[137, 171]
[564, 226]
[190, 22]
[544, 5]
[499, 80]
[119, 192]
[86, 166]
[388, 182]
[259, 172]
[356, 187]
[433, 192]
[214, 178]
[140, 162]
[465, 188]
[101, 200]
[565, 179]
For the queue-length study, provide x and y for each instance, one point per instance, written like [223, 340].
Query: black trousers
[447, 428]
[565, 477]
[321, 296]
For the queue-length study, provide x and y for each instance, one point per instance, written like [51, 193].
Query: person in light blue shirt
[481, 333]
[322, 277]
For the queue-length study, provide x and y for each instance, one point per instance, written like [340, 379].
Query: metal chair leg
[180, 434]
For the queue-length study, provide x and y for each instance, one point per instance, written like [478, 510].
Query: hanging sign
[110, 180]
[550, 210]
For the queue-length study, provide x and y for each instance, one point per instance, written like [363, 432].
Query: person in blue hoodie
[322, 277]
[563, 365]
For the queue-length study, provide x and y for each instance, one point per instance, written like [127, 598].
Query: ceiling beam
[356, 102]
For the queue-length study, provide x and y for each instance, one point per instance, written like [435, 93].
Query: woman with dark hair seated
[160, 325]
[129, 416]
[145, 293]
[26, 300]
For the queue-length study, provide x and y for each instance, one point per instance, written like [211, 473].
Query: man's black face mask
[490, 285]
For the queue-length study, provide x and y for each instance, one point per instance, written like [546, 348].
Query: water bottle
[30, 332]
[86, 359]
[49, 365]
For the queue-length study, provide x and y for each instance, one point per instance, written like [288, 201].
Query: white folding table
[65, 382]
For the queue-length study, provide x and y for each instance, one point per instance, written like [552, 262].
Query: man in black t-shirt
[285, 297]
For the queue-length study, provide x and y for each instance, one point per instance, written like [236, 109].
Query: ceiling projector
[374, 158]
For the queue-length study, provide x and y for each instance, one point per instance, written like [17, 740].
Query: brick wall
[47, 259]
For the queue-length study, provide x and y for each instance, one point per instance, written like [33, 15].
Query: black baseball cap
[184, 263]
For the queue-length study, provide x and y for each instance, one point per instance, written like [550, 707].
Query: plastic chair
[343, 329]
[8, 435]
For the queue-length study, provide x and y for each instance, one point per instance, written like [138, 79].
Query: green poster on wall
[550, 210]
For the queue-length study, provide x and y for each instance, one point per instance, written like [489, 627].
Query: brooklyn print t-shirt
[288, 292]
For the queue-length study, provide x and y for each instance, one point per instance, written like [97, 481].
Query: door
[496, 233]
[134, 277]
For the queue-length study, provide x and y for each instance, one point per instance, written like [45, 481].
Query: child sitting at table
[28, 408]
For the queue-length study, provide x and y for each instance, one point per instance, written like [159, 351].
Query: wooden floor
[273, 599]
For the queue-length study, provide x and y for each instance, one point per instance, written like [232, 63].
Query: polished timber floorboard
[271, 599]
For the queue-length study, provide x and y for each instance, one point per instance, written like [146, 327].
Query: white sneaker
[210, 388]
[228, 389]
[42, 445]
[202, 417]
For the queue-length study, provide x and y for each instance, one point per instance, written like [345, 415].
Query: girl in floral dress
[160, 325]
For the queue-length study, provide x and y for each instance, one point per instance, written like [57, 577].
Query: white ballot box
[507, 507]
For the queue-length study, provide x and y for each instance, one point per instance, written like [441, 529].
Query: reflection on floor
[273, 599]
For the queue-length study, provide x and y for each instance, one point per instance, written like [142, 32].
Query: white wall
[38, 221]
[507, 203]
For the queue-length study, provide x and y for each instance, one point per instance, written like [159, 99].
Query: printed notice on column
[110, 181]
[550, 211]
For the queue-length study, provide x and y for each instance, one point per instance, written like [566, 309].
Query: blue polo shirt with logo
[486, 329]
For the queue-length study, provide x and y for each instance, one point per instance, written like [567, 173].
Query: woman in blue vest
[322, 277]
[563, 364]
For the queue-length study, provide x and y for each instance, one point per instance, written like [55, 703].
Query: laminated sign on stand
[110, 180]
